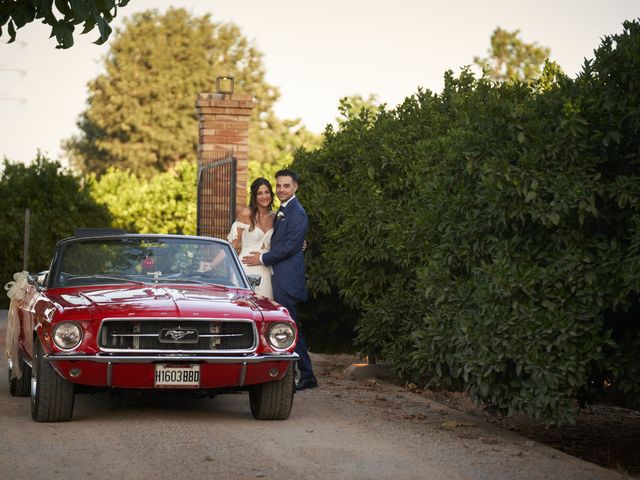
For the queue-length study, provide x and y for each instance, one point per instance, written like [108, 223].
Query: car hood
[160, 301]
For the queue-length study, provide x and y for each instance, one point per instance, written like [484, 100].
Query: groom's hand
[252, 260]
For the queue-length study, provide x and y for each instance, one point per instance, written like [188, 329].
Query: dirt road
[346, 428]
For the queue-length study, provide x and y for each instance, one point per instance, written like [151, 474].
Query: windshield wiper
[103, 277]
[182, 279]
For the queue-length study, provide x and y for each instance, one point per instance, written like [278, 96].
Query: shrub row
[488, 237]
[165, 203]
[58, 202]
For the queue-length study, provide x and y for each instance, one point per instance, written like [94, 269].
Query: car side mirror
[38, 279]
[254, 280]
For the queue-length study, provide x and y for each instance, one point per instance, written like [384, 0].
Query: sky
[314, 52]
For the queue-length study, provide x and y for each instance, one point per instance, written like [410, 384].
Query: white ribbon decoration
[16, 291]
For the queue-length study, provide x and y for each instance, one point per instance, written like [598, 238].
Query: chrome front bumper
[112, 361]
[174, 357]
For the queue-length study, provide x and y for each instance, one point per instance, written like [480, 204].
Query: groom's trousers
[289, 302]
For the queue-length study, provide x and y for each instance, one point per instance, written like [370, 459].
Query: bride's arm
[235, 235]
[235, 238]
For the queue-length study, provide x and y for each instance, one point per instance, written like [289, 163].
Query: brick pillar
[224, 131]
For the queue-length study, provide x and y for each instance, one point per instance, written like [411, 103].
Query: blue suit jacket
[285, 255]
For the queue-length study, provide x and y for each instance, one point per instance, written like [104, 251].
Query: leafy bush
[488, 236]
[58, 203]
[165, 203]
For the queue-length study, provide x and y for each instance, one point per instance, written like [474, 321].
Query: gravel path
[352, 426]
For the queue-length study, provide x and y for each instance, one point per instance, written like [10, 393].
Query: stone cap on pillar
[225, 100]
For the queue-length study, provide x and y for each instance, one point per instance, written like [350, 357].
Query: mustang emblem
[178, 335]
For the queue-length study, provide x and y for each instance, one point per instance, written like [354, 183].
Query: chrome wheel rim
[34, 375]
[10, 369]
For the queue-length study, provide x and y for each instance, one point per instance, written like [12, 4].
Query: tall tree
[90, 13]
[511, 59]
[141, 115]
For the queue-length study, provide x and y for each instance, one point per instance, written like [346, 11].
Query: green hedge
[489, 236]
[58, 203]
[165, 203]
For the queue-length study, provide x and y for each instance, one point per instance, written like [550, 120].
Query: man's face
[285, 188]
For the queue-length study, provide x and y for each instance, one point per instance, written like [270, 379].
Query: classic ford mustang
[124, 311]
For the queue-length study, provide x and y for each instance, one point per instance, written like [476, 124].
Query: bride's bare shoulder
[244, 215]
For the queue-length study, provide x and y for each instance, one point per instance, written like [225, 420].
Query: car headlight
[281, 336]
[67, 335]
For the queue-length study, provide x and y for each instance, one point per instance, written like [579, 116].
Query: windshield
[146, 260]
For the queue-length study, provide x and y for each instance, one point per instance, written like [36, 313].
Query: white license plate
[177, 376]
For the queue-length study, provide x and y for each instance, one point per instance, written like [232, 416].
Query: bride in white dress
[252, 231]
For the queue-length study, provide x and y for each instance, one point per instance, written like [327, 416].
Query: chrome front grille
[177, 335]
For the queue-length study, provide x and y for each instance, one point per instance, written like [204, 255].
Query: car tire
[273, 400]
[20, 386]
[51, 395]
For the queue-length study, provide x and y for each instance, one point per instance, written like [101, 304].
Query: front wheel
[273, 400]
[51, 395]
[20, 386]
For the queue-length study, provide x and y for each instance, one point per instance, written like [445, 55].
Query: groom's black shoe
[306, 383]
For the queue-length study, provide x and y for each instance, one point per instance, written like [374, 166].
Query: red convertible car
[124, 311]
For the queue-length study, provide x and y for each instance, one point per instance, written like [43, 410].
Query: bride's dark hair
[253, 199]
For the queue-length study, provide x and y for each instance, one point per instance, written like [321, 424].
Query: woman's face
[263, 196]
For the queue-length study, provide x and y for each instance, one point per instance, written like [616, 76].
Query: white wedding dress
[254, 241]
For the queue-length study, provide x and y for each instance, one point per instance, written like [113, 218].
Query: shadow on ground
[604, 434]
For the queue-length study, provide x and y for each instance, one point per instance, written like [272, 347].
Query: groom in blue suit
[287, 259]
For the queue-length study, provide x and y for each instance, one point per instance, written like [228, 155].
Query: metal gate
[217, 197]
